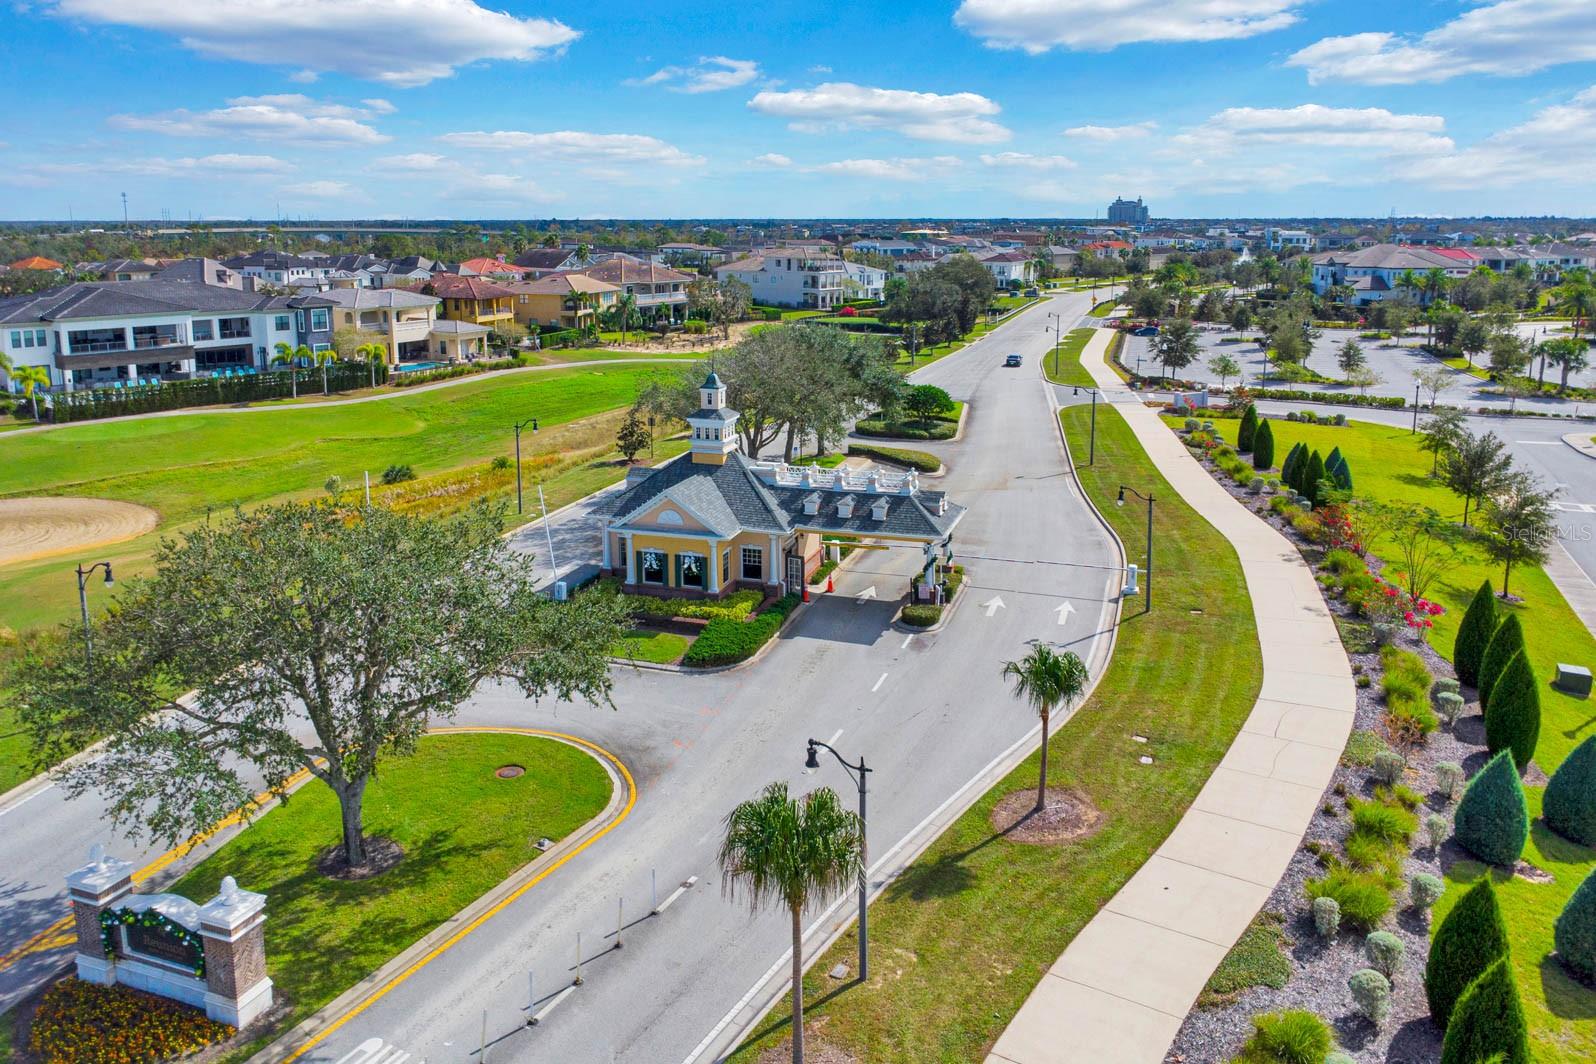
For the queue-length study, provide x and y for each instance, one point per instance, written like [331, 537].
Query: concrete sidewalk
[1121, 989]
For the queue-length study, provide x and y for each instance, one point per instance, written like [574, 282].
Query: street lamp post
[1120, 501]
[1091, 453]
[83, 602]
[1415, 430]
[859, 773]
[1057, 327]
[519, 425]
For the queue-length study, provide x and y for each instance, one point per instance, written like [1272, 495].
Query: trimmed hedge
[920, 615]
[1488, 1022]
[92, 404]
[1506, 641]
[1492, 820]
[726, 642]
[1330, 398]
[1575, 931]
[1474, 635]
[1469, 940]
[1569, 805]
[1513, 719]
[908, 429]
[922, 461]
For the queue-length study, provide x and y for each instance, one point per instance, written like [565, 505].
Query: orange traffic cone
[829, 587]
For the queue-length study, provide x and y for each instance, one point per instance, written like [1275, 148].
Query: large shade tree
[303, 637]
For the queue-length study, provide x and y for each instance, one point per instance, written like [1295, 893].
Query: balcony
[103, 356]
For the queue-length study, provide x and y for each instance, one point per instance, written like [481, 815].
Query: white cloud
[285, 116]
[818, 69]
[1320, 128]
[712, 74]
[415, 162]
[231, 165]
[1035, 26]
[1016, 160]
[501, 188]
[1508, 38]
[323, 189]
[1557, 144]
[624, 149]
[961, 117]
[888, 169]
[1111, 133]
[398, 42]
[377, 105]
[775, 159]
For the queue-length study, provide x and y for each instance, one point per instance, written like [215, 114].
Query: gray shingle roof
[111, 299]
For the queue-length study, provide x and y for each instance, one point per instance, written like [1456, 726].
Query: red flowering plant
[848, 312]
[1340, 530]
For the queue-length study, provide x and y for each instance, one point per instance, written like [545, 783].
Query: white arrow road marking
[993, 604]
[867, 593]
[1064, 612]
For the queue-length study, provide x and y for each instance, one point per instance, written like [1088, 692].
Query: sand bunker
[33, 528]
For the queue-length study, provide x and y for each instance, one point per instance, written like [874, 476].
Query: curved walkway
[292, 404]
[1121, 989]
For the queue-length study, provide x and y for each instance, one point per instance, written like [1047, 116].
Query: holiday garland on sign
[111, 919]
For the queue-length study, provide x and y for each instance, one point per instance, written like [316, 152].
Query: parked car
[1013, 360]
[1145, 330]
[1033, 293]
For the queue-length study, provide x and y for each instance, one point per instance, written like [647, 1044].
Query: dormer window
[812, 504]
[878, 510]
[845, 506]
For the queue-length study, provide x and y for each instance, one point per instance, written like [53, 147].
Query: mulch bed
[816, 1051]
[1320, 969]
[382, 855]
[1066, 814]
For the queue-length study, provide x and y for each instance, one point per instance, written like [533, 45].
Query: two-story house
[280, 267]
[562, 301]
[864, 282]
[476, 300]
[790, 277]
[659, 293]
[1009, 268]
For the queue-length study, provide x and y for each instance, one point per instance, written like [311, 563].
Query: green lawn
[966, 932]
[659, 648]
[1103, 309]
[1068, 363]
[1387, 464]
[323, 935]
[1460, 363]
[187, 465]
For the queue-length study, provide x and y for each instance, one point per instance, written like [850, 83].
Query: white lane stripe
[20, 802]
[1539, 443]
[879, 682]
[906, 641]
[833, 740]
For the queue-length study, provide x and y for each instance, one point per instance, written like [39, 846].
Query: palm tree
[1045, 678]
[793, 852]
[625, 304]
[324, 357]
[373, 352]
[1577, 296]
[31, 378]
[290, 356]
[1409, 282]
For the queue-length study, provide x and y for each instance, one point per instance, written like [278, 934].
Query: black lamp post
[1091, 453]
[860, 774]
[1415, 429]
[519, 425]
[1120, 501]
[83, 602]
[1057, 328]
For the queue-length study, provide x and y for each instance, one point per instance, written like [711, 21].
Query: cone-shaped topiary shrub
[1513, 720]
[1469, 940]
[1288, 468]
[1332, 459]
[1492, 820]
[1342, 475]
[1312, 477]
[1474, 635]
[1575, 931]
[1488, 1022]
[1263, 446]
[1249, 425]
[1507, 640]
[1569, 805]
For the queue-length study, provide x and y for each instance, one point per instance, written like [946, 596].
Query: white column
[631, 557]
[773, 564]
[606, 563]
[713, 561]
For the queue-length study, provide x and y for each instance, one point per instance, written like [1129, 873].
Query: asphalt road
[928, 712]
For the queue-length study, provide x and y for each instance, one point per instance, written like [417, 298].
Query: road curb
[623, 795]
[1581, 442]
[942, 621]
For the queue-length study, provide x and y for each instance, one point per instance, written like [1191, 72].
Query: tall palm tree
[32, 378]
[1409, 282]
[290, 356]
[791, 852]
[324, 358]
[624, 306]
[1577, 296]
[1045, 678]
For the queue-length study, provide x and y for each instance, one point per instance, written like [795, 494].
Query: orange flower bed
[84, 1023]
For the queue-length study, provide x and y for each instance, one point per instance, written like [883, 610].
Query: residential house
[120, 269]
[686, 253]
[790, 277]
[659, 293]
[406, 271]
[864, 282]
[202, 271]
[36, 262]
[892, 249]
[1375, 273]
[540, 262]
[713, 520]
[401, 320]
[497, 269]
[1288, 239]
[562, 301]
[472, 299]
[97, 333]
[280, 268]
[1009, 268]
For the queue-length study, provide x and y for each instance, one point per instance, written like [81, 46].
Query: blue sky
[554, 108]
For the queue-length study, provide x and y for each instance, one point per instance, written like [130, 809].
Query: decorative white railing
[874, 481]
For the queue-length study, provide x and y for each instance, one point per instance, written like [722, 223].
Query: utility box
[1573, 679]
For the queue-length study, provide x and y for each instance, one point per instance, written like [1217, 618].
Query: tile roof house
[1375, 273]
[36, 262]
[660, 293]
[714, 520]
[491, 267]
[473, 299]
[540, 262]
[561, 300]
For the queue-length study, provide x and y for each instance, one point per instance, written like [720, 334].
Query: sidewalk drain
[509, 772]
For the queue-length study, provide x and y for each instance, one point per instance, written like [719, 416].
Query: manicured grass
[1103, 309]
[1460, 363]
[824, 461]
[322, 935]
[923, 461]
[1561, 1012]
[963, 936]
[659, 648]
[14, 750]
[1069, 368]
[936, 427]
[1387, 464]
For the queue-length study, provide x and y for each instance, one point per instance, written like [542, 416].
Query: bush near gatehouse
[1470, 939]
[725, 641]
[84, 1023]
[1492, 820]
[1488, 1022]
